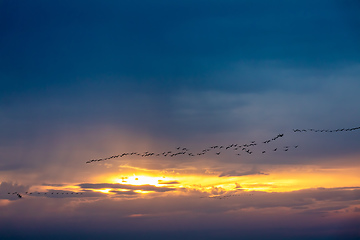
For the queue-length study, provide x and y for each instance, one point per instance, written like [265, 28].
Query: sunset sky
[184, 119]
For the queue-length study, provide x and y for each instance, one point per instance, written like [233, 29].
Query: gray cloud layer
[302, 211]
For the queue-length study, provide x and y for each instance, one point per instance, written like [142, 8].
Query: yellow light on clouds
[284, 179]
[142, 180]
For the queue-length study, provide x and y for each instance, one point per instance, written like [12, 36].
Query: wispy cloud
[125, 186]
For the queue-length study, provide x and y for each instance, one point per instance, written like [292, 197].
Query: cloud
[53, 184]
[125, 193]
[233, 173]
[339, 188]
[324, 210]
[168, 182]
[183, 211]
[125, 186]
[237, 186]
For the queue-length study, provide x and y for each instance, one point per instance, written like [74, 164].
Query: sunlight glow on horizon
[277, 181]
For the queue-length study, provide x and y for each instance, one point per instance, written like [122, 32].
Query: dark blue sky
[167, 46]
[96, 55]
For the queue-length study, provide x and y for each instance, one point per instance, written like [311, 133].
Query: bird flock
[230, 195]
[239, 149]
[183, 151]
[20, 195]
[327, 130]
[219, 149]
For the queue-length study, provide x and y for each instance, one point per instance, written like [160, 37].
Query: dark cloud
[125, 193]
[339, 188]
[168, 182]
[231, 173]
[324, 210]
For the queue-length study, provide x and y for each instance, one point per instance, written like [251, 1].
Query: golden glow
[106, 190]
[142, 180]
[142, 191]
[281, 179]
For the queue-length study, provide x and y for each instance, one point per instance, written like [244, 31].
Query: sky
[180, 119]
